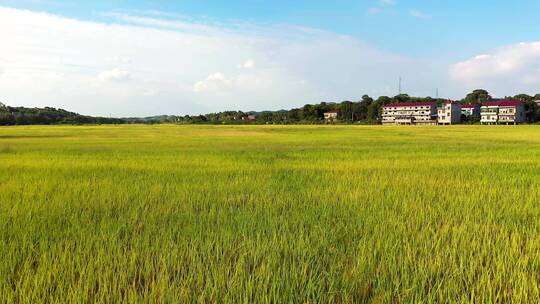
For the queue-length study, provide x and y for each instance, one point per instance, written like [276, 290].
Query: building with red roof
[502, 112]
[410, 113]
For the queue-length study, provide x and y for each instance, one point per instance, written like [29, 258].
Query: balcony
[489, 111]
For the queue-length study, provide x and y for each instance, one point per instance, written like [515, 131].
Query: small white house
[449, 113]
[470, 109]
[331, 116]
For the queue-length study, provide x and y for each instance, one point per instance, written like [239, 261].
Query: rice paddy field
[269, 214]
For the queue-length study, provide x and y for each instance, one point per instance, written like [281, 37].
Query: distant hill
[48, 116]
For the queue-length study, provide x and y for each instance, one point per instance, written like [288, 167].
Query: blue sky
[454, 28]
[262, 54]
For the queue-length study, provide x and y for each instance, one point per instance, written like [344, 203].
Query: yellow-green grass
[276, 214]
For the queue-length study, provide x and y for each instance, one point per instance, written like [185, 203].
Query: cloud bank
[143, 65]
[147, 64]
[507, 70]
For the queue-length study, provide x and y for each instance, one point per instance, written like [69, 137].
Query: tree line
[366, 110]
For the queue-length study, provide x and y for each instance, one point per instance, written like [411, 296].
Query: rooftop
[411, 104]
[502, 103]
[470, 106]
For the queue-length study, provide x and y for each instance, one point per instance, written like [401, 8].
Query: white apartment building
[410, 113]
[470, 109]
[502, 112]
[449, 113]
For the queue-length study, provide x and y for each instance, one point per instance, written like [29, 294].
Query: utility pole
[437, 93]
[399, 85]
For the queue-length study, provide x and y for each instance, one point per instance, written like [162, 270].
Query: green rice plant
[269, 214]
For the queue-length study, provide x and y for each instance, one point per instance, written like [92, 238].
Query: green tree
[360, 109]
[402, 98]
[366, 99]
[477, 97]
[346, 111]
[293, 115]
[6, 119]
[523, 97]
[374, 111]
[384, 100]
[531, 111]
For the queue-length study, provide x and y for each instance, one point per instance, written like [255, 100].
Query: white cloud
[508, 68]
[115, 74]
[161, 23]
[249, 64]
[171, 65]
[237, 85]
[419, 14]
[214, 82]
[382, 6]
